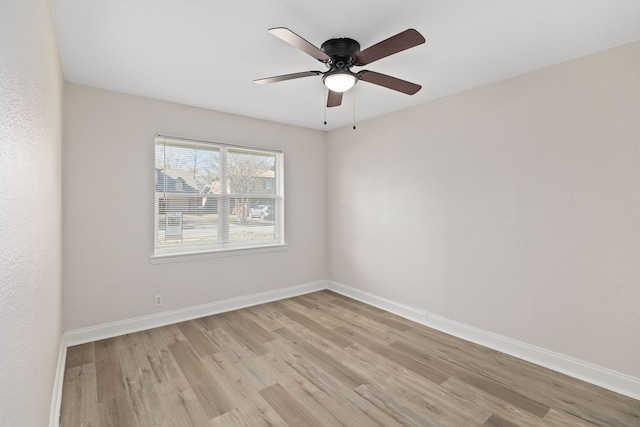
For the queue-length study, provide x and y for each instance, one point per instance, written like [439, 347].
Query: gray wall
[513, 208]
[108, 226]
[30, 206]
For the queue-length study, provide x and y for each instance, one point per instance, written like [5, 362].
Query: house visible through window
[214, 198]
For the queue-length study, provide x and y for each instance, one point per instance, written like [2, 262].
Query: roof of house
[167, 179]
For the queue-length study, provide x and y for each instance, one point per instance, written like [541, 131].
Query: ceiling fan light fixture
[339, 81]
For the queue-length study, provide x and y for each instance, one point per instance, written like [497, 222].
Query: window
[216, 199]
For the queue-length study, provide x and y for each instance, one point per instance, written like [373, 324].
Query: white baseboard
[603, 377]
[401, 310]
[56, 398]
[113, 329]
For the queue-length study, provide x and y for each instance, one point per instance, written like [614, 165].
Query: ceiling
[206, 53]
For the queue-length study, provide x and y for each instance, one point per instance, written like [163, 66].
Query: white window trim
[216, 253]
[232, 248]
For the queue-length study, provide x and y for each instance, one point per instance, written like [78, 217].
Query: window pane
[187, 221]
[252, 219]
[251, 172]
[187, 169]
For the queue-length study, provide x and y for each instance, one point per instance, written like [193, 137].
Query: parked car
[259, 211]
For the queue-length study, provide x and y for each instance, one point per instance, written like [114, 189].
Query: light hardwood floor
[319, 360]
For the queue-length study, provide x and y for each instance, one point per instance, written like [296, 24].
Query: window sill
[189, 256]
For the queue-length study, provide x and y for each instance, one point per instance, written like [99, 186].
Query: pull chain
[325, 94]
[354, 112]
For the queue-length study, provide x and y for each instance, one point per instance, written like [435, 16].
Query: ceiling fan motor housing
[342, 51]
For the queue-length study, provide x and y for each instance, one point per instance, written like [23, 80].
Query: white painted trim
[401, 310]
[603, 377]
[56, 398]
[113, 329]
[190, 256]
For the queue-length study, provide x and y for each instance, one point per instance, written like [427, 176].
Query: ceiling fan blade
[295, 40]
[283, 77]
[389, 82]
[334, 99]
[401, 41]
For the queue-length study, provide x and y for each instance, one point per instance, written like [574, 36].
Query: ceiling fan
[341, 54]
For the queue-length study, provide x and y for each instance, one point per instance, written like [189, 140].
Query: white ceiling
[206, 53]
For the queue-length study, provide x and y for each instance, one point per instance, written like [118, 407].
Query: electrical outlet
[158, 300]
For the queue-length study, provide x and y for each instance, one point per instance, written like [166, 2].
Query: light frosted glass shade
[339, 82]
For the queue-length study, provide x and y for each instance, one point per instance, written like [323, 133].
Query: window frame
[191, 252]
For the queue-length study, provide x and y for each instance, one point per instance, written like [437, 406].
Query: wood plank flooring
[319, 360]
